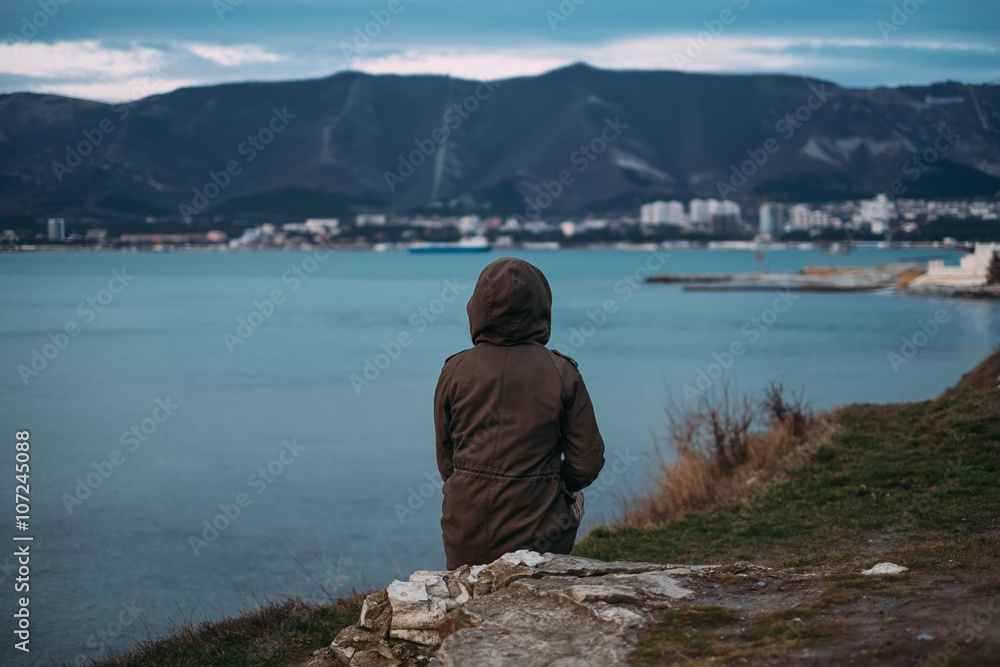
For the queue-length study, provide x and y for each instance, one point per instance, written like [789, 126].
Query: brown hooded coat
[515, 427]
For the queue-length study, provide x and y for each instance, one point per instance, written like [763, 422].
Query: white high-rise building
[772, 220]
[469, 224]
[675, 213]
[798, 216]
[654, 213]
[57, 229]
[726, 207]
[876, 212]
[699, 211]
[662, 212]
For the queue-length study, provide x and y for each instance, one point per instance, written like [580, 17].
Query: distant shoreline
[752, 246]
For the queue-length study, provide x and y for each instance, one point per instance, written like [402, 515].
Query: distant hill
[675, 135]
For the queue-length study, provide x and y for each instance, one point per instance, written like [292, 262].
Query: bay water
[227, 428]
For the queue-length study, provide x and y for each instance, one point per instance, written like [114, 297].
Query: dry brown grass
[727, 449]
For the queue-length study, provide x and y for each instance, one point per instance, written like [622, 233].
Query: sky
[117, 50]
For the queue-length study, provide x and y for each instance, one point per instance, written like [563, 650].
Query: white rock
[620, 616]
[425, 637]
[523, 557]
[412, 607]
[427, 576]
[652, 584]
[464, 596]
[885, 568]
[601, 593]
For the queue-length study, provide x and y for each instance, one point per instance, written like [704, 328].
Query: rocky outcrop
[523, 609]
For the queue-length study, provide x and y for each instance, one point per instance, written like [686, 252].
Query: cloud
[78, 59]
[696, 53]
[91, 69]
[232, 56]
[115, 71]
[115, 92]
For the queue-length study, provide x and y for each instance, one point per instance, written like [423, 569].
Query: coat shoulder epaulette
[453, 356]
[567, 358]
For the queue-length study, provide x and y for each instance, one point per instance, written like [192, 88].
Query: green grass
[274, 636]
[896, 474]
[987, 588]
[680, 634]
[915, 484]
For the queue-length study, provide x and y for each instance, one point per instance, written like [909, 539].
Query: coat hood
[512, 304]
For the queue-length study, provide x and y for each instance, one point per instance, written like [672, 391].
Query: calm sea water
[151, 417]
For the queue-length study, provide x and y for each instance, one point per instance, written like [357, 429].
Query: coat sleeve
[582, 445]
[442, 426]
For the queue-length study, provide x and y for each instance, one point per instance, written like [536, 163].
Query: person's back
[515, 427]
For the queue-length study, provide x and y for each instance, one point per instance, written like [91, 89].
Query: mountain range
[575, 140]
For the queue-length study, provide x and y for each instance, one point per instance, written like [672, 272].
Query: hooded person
[515, 427]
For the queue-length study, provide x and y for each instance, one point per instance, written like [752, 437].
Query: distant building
[725, 208]
[699, 211]
[973, 269]
[469, 224]
[772, 220]
[675, 213]
[653, 213]
[57, 229]
[568, 228]
[364, 219]
[662, 213]
[876, 212]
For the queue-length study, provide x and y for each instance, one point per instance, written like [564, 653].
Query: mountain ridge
[685, 134]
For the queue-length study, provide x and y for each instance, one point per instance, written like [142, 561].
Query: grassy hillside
[894, 474]
[915, 484]
[276, 635]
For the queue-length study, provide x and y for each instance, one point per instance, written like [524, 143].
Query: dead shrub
[726, 448]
